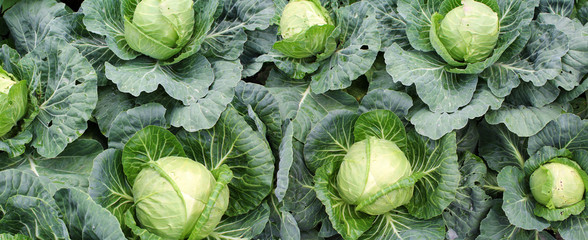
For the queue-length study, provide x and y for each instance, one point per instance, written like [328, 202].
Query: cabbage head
[469, 32]
[13, 101]
[160, 28]
[305, 27]
[556, 185]
[168, 203]
[370, 166]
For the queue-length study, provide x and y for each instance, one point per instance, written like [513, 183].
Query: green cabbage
[169, 203]
[160, 28]
[556, 185]
[470, 32]
[370, 166]
[305, 27]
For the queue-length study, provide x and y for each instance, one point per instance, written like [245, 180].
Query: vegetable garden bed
[300, 119]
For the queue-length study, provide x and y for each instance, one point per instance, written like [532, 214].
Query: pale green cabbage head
[160, 208]
[306, 29]
[369, 166]
[470, 32]
[556, 185]
[5, 83]
[13, 101]
[299, 15]
[160, 28]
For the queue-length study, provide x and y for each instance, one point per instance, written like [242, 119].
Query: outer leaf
[500, 147]
[399, 224]
[110, 103]
[187, 81]
[264, 105]
[529, 95]
[525, 121]
[71, 168]
[515, 15]
[245, 226]
[289, 232]
[65, 86]
[6, 236]
[84, 218]
[294, 67]
[423, 119]
[297, 102]
[15, 146]
[32, 217]
[418, 17]
[96, 14]
[204, 112]
[108, 185]
[146, 147]
[497, 226]
[574, 62]
[301, 199]
[572, 228]
[330, 139]
[286, 159]
[16, 182]
[382, 124]
[378, 77]
[397, 102]
[468, 138]
[565, 97]
[127, 123]
[471, 206]
[568, 131]
[258, 43]
[518, 204]
[390, 24]
[29, 21]
[437, 161]
[360, 43]
[543, 54]
[440, 90]
[92, 46]
[560, 7]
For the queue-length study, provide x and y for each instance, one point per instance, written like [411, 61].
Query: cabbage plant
[467, 59]
[181, 186]
[544, 177]
[173, 197]
[184, 54]
[376, 179]
[330, 45]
